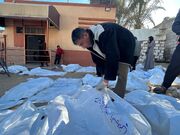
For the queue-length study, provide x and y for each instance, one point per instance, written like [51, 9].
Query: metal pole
[5, 47]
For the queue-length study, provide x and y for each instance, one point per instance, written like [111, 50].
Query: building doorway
[33, 45]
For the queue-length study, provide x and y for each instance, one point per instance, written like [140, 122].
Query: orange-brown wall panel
[18, 37]
[77, 57]
[19, 40]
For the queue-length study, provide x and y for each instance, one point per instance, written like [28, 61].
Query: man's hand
[178, 39]
[102, 84]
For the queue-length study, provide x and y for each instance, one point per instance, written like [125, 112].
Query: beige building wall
[69, 20]
[15, 55]
[9, 32]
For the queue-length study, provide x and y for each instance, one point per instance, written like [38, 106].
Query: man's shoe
[160, 90]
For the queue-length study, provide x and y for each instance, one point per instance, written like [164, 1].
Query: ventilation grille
[31, 30]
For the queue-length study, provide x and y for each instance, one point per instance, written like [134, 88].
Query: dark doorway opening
[33, 45]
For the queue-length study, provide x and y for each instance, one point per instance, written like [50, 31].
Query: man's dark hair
[77, 34]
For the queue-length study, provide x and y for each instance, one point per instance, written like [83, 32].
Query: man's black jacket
[115, 43]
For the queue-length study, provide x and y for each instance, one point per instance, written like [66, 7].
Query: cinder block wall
[158, 51]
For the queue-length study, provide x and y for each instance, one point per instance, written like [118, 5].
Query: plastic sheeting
[91, 80]
[93, 112]
[63, 86]
[136, 83]
[16, 69]
[87, 112]
[23, 91]
[71, 67]
[162, 112]
[88, 69]
[19, 122]
[43, 72]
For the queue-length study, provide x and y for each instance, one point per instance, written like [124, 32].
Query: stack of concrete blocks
[158, 51]
[164, 37]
